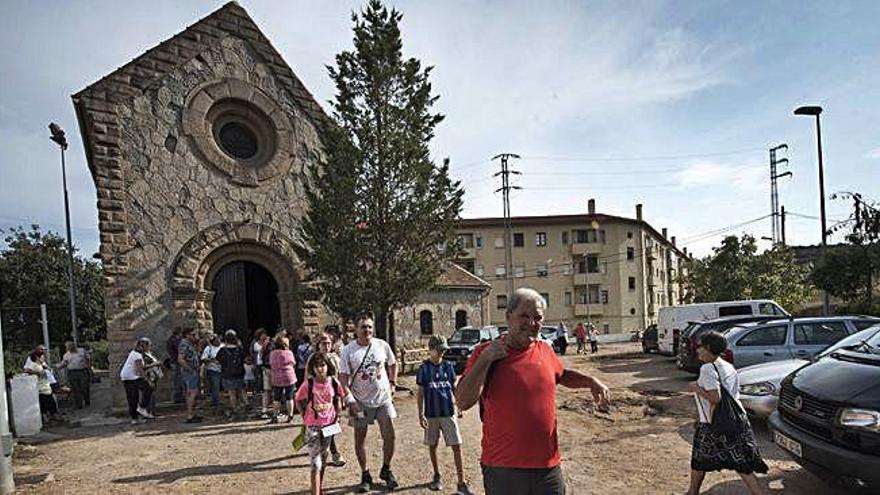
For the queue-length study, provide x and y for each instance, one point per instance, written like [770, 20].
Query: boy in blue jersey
[436, 401]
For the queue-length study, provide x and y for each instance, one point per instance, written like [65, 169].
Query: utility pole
[59, 139]
[7, 483]
[505, 190]
[782, 218]
[776, 230]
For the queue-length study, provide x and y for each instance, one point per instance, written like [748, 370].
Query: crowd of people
[512, 379]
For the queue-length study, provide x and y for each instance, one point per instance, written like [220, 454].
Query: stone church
[198, 149]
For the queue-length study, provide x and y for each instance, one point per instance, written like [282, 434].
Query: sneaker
[366, 482]
[338, 460]
[436, 484]
[464, 489]
[143, 412]
[134, 422]
[388, 477]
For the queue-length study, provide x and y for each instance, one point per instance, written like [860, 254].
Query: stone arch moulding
[192, 272]
[235, 100]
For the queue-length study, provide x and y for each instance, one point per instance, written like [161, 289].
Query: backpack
[231, 361]
[337, 398]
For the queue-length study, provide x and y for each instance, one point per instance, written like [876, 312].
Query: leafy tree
[379, 209]
[33, 271]
[851, 272]
[735, 271]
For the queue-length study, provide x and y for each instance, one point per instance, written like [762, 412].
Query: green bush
[100, 354]
[13, 360]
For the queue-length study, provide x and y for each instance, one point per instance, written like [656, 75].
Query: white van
[673, 319]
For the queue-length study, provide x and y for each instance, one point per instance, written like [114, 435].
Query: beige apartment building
[613, 271]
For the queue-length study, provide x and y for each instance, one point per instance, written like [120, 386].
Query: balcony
[593, 278]
[584, 248]
[594, 309]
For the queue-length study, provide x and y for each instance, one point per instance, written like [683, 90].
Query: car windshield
[867, 341]
[465, 336]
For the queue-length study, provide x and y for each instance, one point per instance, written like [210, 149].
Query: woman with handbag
[723, 438]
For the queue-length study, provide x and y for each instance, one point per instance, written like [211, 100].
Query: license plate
[787, 443]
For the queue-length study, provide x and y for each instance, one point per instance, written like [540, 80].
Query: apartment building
[613, 271]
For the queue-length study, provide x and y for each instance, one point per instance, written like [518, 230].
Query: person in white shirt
[133, 375]
[368, 370]
[212, 369]
[714, 450]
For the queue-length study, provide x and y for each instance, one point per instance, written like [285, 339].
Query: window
[460, 319]
[540, 239]
[819, 333]
[518, 239]
[604, 297]
[478, 241]
[770, 309]
[606, 328]
[500, 271]
[593, 293]
[519, 271]
[426, 322]
[763, 336]
[581, 296]
[589, 236]
[734, 310]
[541, 269]
[632, 283]
[632, 311]
[629, 235]
[592, 263]
[863, 324]
[546, 297]
[565, 237]
[566, 268]
[501, 302]
[467, 240]
[478, 270]
[499, 242]
[568, 298]
[630, 254]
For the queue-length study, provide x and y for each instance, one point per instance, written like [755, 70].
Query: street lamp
[59, 138]
[816, 111]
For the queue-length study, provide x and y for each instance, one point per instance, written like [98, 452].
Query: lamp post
[59, 138]
[816, 111]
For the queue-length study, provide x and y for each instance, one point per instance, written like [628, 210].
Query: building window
[589, 236]
[426, 322]
[604, 297]
[478, 241]
[467, 240]
[478, 270]
[566, 268]
[632, 283]
[630, 254]
[500, 271]
[632, 311]
[541, 269]
[460, 319]
[501, 302]
[519, 271]
[606, 328]
[581, 296]
[592, 263]
[541, 239]
[593, 293]
[565, 237]
[518, 239]
[629, 235]
[499, 242]
[546, 297]
[568, 298]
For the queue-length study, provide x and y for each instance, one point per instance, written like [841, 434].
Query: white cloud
[705, 173]
[874, 154]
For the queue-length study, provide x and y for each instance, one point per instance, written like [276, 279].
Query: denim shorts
[190, 380]
[232, 383]
[282, 393]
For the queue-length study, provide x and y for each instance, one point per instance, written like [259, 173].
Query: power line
[642, 158]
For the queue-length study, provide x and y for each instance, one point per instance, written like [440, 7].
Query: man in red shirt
[514, 377]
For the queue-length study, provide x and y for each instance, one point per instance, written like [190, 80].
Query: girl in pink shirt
[319, 400]
[283, 364]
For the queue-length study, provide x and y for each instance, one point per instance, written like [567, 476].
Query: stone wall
[442, 304]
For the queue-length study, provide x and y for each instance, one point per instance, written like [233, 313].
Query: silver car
[795, 338]
[759, 384]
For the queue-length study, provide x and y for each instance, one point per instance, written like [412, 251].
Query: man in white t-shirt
[368, 369]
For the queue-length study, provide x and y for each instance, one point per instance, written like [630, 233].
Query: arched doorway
[245, 298]
[460, 319]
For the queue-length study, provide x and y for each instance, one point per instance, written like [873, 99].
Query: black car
[828, 415]
[649, 340]
[463, 341]
[687, 352]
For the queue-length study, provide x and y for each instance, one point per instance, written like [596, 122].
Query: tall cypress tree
[381, 220]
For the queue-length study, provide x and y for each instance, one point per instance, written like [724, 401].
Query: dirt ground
[641, 446]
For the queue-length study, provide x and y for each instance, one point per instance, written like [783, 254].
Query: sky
[672, 104]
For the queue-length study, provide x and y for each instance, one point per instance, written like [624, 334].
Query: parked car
[778, 340]
[649, 340]
[829, 416]
[463, 341]
[687, 350]
[759, 384]
[672, 320]
[548, 334]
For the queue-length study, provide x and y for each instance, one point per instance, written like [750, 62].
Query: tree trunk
[381, 324]
[392, 335]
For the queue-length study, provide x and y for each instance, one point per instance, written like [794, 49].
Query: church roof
[95, 104]
[457, 277]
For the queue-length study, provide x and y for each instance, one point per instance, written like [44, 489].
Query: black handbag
[729, 416]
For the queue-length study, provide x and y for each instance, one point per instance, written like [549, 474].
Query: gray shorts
[449, 427]
[190, 380]
[522, 481]
[370, 414]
